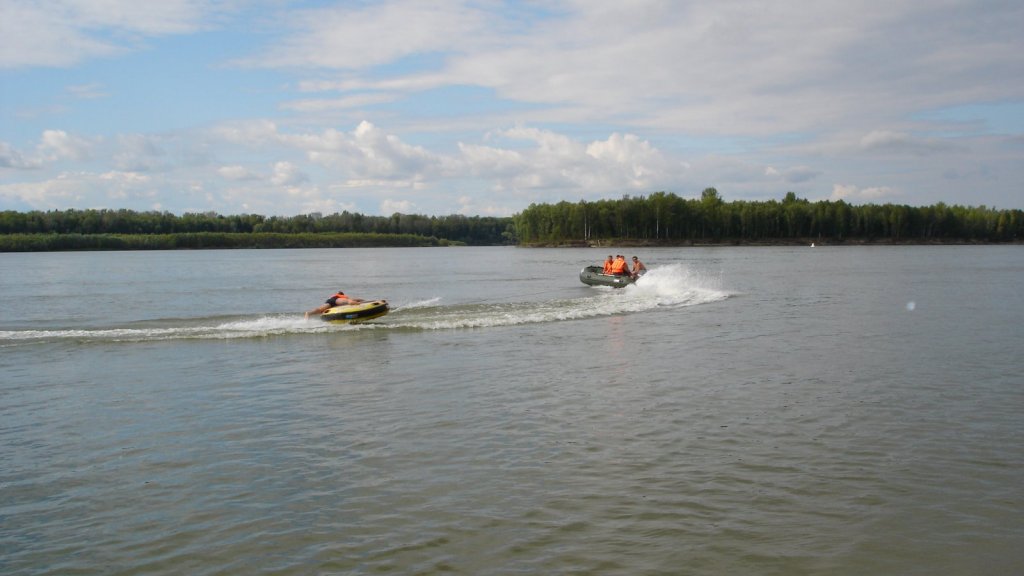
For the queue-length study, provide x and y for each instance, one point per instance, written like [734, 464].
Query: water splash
[668, 286]
[677, 285]
[419, 304]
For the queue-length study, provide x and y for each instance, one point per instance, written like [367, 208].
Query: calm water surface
[852, 410]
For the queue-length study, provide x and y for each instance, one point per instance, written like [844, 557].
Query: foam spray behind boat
[677, 285]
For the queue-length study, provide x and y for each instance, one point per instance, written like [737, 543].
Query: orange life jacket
[619, 266]
[608, 266]
[336, 297]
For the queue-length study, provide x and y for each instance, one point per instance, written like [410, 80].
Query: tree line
[660, 218]
[110, 229]
[198, 240]
[664, 217]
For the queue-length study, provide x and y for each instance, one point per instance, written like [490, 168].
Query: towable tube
[351, 313]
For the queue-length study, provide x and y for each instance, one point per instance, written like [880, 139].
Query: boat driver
[339, 299]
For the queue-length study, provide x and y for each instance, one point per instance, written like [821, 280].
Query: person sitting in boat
[619, 266]
[339, 299]
[638, 268]
[608, 265]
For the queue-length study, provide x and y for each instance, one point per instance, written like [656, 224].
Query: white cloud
[82, 190]
[470, 206]
[724, 68]
[125, 178]
[238, 173]
[344, 37]
[251, 133]
[141, 153]
[550, 143]
[635, 158]
[794, 174]
[623, 163]
[60, 192]
[371, 160]
[22, 44]
[54, 146]
[854, 194]
[386, 154]
[65, 33]
[889, 141]
[59, 145]
[328, 104]
[488, 160]
[124, 185]
[287, 174]
[165, 17]
[485, 106]
[366, 153]
[389, 207]
[11, 158]
[90, 91]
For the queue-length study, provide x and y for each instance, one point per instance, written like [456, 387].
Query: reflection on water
[737, 411]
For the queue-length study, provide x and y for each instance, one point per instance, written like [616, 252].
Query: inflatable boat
[594, 276]
[351, 313]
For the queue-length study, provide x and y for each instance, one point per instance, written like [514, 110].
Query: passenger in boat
[619, 266]
[339, 299]
[608, 265]
[638, 268]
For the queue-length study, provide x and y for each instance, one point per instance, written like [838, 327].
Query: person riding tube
[339, 299]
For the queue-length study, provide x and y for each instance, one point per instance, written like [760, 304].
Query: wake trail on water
[666, 287]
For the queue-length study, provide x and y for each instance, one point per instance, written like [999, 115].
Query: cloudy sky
[482, 107]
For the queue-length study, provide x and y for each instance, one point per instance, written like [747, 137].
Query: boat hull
[593, 276]
[353, 313]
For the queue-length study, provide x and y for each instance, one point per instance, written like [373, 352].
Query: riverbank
[267, 240]
[211, 240]
[813, 242]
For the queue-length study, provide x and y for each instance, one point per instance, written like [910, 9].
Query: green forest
[662, 218]
[130, 230]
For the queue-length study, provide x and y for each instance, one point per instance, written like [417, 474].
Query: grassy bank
[209, 240]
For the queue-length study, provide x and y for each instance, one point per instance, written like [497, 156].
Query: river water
[830, 410]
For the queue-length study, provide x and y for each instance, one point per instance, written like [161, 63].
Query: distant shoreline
[625, 243]
[259, 241]
[210, 240]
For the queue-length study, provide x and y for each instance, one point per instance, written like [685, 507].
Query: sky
[483, 107]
